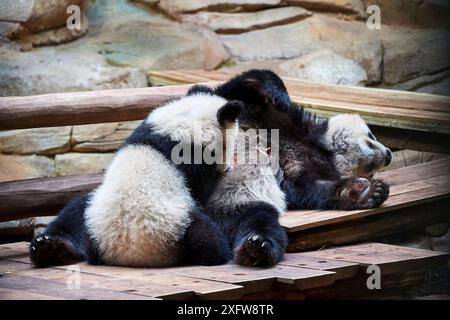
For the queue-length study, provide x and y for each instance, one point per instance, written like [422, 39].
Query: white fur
[180, 118]
[246, 182]
[348, 138]
[141, 209]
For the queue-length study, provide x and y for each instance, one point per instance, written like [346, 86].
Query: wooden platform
[332, 273]
[420, 196]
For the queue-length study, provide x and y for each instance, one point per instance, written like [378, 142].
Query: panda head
[355, 149]
[199, 121]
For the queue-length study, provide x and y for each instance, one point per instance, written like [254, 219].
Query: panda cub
[323, 164]
[148, 210]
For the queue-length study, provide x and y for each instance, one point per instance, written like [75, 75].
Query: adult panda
[148, 209]
[323, 164]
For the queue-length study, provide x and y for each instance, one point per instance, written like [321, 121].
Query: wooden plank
[387, 257]
[258, 280]
[375, 226]
[43, 195]
[343, 270]
[75, 108]
[387, 108]
[11, 294]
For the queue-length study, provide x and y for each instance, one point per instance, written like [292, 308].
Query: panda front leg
[204, 242]
[257, 238]
[342, 194]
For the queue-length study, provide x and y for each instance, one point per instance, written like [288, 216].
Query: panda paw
[361, 193]
[50, 250]
[256, 251]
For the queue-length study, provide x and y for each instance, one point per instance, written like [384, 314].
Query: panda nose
[388, 157]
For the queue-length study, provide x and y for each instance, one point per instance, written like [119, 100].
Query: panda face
[356, 150]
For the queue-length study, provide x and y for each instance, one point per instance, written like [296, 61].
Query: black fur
[255, 235]
[64, 240]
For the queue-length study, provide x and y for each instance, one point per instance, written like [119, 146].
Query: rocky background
[325, 41]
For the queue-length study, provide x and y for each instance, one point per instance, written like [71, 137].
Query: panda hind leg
[62, 243]
[204, 243]
[259, 240]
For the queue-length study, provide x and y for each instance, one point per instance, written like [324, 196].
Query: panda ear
[229, 112]
[257, 88]
[198, 88]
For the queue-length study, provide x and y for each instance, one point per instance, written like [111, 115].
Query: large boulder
[241, 22]
[322, 66]
[14, 167]
[350, 39]
[414, 13]
[40, 22]
[61, 69]
[413, 53]
[175, 7]
[152, 46]
[46, 141]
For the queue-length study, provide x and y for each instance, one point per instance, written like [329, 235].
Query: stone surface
[413, 53]
[174, 7]
[350, 39]
[414, 13]
[46, 141]
[436, 83]
[153, 46]
[37, 16]
[321, 66]
[81, 163]
[101, 137]
[242, 22]
[48, 70]
[25, 167]
[355, 6]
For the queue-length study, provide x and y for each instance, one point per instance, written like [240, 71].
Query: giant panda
[323, 164]
[148, 210]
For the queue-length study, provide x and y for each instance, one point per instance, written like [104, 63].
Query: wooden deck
[332, 273]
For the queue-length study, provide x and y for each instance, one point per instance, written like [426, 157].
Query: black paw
[257, 251]
[52, 250]
[361, 193]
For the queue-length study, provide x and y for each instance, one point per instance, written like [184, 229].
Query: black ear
[229, 112]
[257, 88]
[198, 88]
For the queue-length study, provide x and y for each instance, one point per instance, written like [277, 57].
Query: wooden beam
[76, 108]
[42, 196]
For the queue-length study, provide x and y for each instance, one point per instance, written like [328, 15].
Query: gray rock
[81, 163]
[247, 21]
[14, 167]
[412, 53]
[61, 69]
[321, 66]
[46, 141]
[354, 6]
[351, 39]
